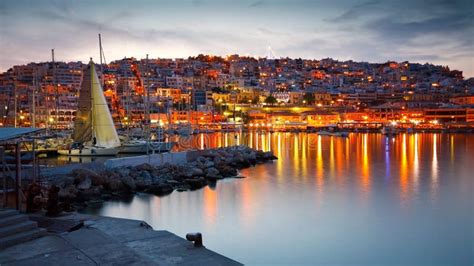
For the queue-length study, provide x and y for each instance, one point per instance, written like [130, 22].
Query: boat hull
[155, 147]
[90, 151]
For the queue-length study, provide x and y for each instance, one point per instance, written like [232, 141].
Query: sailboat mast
[33, 100]
[15, 101]
[92, 98]
[101, 68]
[56, 89]
[147, 106]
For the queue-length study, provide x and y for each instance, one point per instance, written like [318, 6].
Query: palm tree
[270, 100]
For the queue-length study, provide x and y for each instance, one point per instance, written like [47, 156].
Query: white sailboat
[94, 131]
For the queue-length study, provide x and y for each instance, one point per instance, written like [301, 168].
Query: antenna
[271, 53]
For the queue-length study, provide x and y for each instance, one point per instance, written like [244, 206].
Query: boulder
[196, 183]
[159, 189]
[209, 164]
[144, 167]
[65, 181]
[212, 173]
[91, 193]
[84, 184]
[115, 185]
[129, 183]
[123, 171]
[192, 172]
[68, 193]
[82, 173]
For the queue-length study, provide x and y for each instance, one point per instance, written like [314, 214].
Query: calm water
[366, 199]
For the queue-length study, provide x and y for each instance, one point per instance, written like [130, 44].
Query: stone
[192, 172]
[115, 185]
[209, 164]
[144, 167]
[129, 183]
[212, 172]
[84, 184]
[68, 193]
[123, 171]
[65, 182]
[82, 173]
[196, 183]
[159, 189]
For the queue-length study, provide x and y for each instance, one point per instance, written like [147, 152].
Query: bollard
[196, 238]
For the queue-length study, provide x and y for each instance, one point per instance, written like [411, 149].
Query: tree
[255, 100]
[308, 98]
[270, 100]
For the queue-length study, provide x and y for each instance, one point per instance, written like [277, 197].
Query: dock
[78, 239]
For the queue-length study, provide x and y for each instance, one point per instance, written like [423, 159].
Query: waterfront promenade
[108, 241]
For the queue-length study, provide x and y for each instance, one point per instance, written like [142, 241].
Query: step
[16, 239]
[17, 228]
[7, 212]
[18, 218]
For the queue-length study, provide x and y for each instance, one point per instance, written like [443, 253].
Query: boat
[142, 146]
[389, 130]
[336, 134]
[184, 130]
[94, 130]
[203, 130]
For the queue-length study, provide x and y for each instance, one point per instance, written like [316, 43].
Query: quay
[78, 239]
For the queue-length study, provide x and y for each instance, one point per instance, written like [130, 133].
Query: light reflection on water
[366, 199]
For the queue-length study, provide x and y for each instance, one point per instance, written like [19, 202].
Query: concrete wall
[153, 159]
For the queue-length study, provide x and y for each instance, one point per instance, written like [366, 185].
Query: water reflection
[333, 200]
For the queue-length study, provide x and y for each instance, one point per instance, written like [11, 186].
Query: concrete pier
[109, 241]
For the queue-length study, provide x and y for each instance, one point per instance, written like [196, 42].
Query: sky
[435, 31]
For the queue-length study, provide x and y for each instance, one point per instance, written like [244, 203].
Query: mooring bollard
[196, 238]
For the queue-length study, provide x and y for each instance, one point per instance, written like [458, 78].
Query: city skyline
[372, 31]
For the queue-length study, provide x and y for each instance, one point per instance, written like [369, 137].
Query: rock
[129, 183]
[196, 183]
[209, 164]
[192, 172]
[123, 171]
[86, 195]
[68, 193]
[212, 173]
[65, 182]
[115, 185]
[84, 184]
[82, 173]
[159, 189]
[143, 180]
[227, 171]
[144, 167]
[250, 156]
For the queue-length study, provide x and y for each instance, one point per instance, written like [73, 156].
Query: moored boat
[94, 130]
[336, 134]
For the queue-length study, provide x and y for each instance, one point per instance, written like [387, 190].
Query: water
[366, 199]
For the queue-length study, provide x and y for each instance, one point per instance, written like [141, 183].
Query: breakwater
[82, 186]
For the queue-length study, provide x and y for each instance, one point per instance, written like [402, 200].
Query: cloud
[356, 11]
[257, 3]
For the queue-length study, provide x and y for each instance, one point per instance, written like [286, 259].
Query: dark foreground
[108, 241]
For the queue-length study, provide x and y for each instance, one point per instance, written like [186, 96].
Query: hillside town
[216, 92]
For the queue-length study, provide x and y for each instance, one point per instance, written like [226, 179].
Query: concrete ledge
[153, 159]
[110, 241]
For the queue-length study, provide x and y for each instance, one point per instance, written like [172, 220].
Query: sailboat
[94, 131]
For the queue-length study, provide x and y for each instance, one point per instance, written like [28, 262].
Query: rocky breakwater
[83, 187]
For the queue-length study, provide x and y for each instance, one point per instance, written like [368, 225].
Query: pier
[106, 240]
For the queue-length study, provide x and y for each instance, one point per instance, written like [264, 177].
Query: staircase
[16, 228]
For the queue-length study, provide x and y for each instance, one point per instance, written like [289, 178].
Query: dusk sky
[439, 32]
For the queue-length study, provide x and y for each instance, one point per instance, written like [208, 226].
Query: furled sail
[83, 121]
[103, 128]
